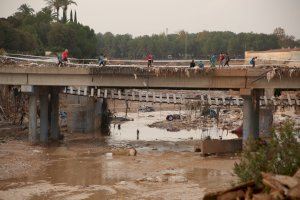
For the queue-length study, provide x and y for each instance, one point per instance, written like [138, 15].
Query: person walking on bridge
[192, 64]
[212, 60]
[102, 60]
[60, 62]
[65, 56]
[252, 61]
[226, 60]
[150, 59]
[221, 59]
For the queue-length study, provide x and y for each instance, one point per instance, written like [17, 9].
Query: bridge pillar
[54, 113]
[251, 114]
[266, 115]
[44, 115]
[33, 136]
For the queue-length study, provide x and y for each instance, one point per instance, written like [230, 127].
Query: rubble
[124, 151]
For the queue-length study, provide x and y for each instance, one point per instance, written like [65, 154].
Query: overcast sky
[140, 17]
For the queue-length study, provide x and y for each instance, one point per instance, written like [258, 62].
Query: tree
[26, 9]
[75, 17]
[56, 5]
[65, 4]
[279, 33]
[71, 16]
[286, 41]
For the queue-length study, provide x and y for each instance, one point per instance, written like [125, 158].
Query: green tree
[56, 5]
[65, 5]
[75, 17]
[26, 9]
[71, 16]
[285, 40]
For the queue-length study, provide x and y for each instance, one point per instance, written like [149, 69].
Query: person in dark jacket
[192, 64]
[252, 61]
[227, 59]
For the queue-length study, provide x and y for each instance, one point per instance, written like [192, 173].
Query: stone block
[215, 146]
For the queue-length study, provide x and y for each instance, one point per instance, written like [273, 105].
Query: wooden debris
[297, 174]
[262, 196]
[294, 193]
[232, 195]
[287, 180]
[277, 187]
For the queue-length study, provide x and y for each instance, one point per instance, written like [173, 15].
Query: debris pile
[226, 119]
[273, 187]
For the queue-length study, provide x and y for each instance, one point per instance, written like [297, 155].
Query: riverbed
[84, 167]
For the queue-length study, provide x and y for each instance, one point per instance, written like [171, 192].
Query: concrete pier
[266, 120]
[266, 115]
[55, 113]
[33, 136]
[84, 114]
[44, 115]
[251, 115]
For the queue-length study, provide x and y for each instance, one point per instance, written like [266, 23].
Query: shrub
[279, 154]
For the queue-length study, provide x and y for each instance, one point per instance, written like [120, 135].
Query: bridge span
[45, 80]
[265, 76]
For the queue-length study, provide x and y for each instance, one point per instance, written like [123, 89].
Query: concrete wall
[84, 114]
[219, 146]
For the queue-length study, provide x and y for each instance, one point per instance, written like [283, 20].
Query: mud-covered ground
[91, 166]
[83, 167]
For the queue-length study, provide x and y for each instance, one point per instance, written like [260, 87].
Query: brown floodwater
[83, 167]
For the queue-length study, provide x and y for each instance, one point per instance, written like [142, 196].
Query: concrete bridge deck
[47, 79]
[177, 77]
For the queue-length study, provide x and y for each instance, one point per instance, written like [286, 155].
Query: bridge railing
[173, 98]
[93, 62]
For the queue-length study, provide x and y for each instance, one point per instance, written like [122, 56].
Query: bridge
[41, 79]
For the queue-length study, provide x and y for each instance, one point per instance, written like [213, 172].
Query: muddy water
[82, 167]
[128, 130]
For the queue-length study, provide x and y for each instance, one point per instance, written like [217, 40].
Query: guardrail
[173, 98]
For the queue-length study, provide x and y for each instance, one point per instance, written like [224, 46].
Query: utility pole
[185, 46]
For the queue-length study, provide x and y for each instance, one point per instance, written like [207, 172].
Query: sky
[145, 17]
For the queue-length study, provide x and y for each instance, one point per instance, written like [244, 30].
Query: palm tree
[56, 5]
[26, 9]
[65, 4]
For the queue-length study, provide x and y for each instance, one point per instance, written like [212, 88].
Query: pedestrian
[137, 134]
[102, 60]
[221, 59]
[252, 61]
[212, 60]
[150, 59]
[60, 62]
[226, 60]
[192, 64]
[65, 56]
[200, 64]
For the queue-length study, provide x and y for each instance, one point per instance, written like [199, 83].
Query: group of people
[63, 57]
[102, 60]
[223, 61]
